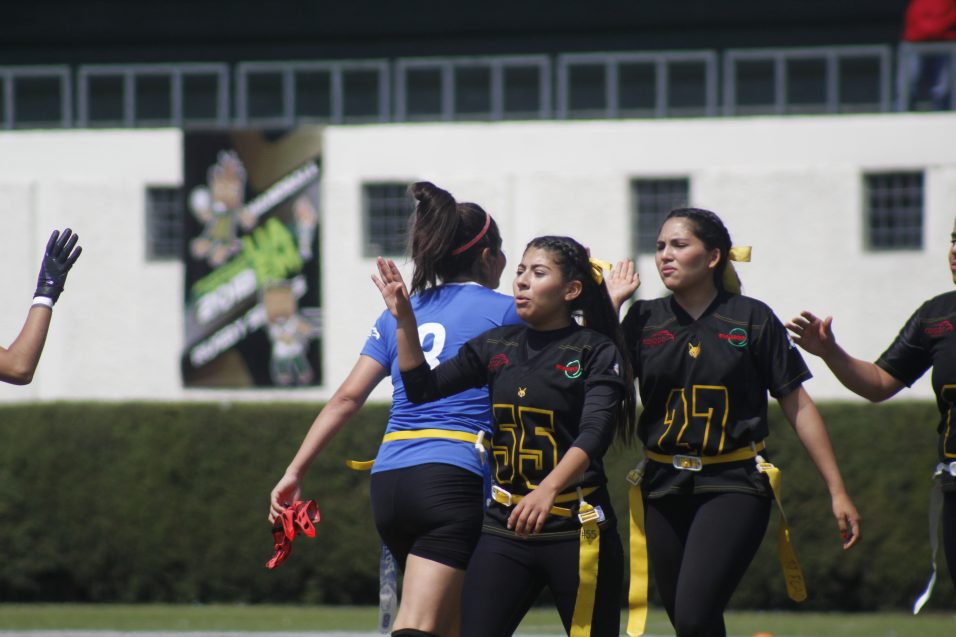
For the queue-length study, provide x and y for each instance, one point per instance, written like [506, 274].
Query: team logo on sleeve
[374, 334]
[497, 361]
[571, 369]
[938, 329]
[737, 337]
[658, 338]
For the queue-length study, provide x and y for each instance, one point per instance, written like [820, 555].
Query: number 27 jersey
[704, 382]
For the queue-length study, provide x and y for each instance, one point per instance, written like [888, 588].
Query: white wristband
[43, 300]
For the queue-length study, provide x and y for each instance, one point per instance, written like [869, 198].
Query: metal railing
[662, 84]
[473, 88]
[35, 97]
[807, 80]
[282, 94]
[607, 85]
[133, 95]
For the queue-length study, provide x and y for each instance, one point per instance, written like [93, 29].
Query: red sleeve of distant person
[930, 20]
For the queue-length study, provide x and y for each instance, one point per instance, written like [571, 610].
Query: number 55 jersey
[550, 391]
[703, 386]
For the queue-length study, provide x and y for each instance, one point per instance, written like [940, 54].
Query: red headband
[477, 238]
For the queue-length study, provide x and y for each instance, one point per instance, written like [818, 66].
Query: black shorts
[433, 511]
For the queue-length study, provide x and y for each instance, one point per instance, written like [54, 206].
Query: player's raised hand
[390, 283]
[60, 255]
[813, 334]
[622, 282]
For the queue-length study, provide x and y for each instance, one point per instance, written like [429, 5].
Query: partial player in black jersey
[706, 357]
[559, 393]
[928, 339]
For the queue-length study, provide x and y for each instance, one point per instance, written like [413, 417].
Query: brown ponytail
[447, 237]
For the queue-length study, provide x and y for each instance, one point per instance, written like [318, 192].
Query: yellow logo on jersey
[693, 350]
[522, 391]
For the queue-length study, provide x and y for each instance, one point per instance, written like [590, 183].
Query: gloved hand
[59, 257]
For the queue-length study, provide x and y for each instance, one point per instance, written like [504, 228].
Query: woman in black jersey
[559, 393]
[706, 358]
[928, 339]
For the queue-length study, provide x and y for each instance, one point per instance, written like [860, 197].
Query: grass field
[161, 617]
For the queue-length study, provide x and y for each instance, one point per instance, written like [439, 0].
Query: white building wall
[117, 329]
[790, 187]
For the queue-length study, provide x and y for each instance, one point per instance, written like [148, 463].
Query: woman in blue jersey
[427, 481]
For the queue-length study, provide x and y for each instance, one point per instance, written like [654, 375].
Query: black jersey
[704, 385]
[550, 391]
[928, 340]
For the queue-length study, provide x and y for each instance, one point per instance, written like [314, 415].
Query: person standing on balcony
[927, 21]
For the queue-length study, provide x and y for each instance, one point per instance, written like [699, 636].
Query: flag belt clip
[696, 463]
[943, 467]
[505, 498]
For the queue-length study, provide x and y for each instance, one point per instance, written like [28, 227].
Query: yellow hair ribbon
[739, 253]
[597, 269]
[731, 280]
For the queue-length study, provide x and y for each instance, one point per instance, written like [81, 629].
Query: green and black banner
[252, 298]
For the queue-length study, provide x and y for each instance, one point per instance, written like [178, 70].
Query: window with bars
[651, 200]
[386, 208]
[893, 210]
[164, 223]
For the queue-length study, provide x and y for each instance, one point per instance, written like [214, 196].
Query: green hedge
[168, 502]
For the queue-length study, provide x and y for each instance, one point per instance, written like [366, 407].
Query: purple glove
[59, 258]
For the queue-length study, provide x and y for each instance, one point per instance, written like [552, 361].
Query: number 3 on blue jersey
[432, 338]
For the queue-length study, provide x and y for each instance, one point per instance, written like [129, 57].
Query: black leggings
[506, 575]
[949, 532]
[699, 548]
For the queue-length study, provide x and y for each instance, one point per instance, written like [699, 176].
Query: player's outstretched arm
[390, 283]
[18, 362]
[808, 424]
[863, 378]
[347, 400]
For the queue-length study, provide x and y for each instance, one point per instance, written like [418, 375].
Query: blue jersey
[448, 316]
